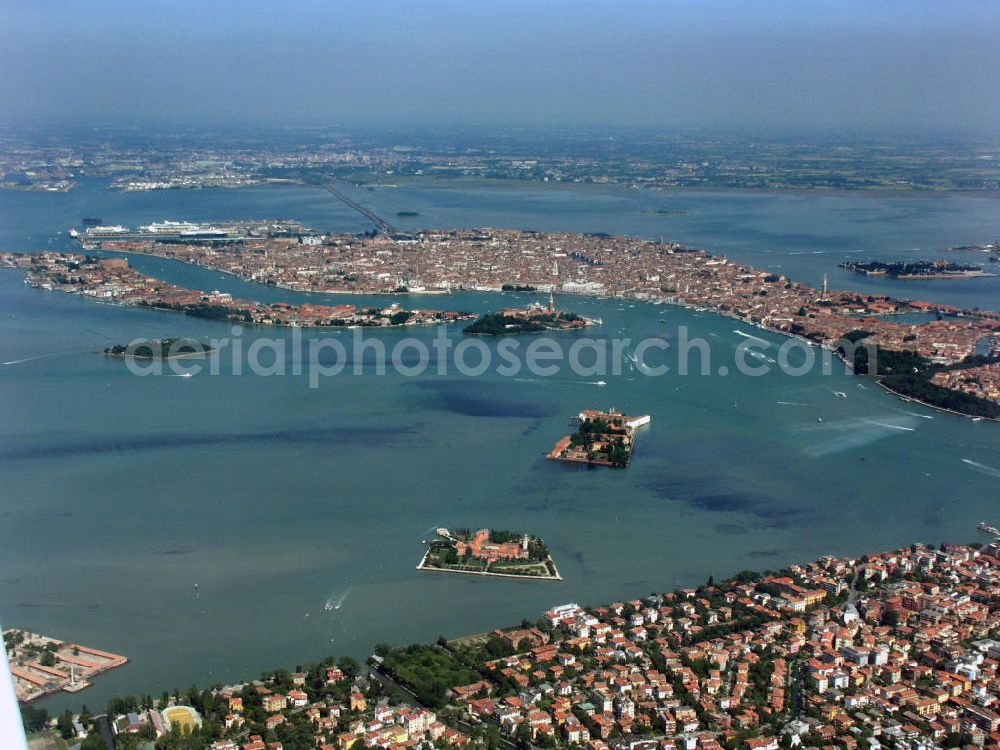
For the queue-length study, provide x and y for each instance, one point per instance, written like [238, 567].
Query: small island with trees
[489, 552]
[533, 319]
[915, 269]
[665, 212]
[173, 348]
[602, 439]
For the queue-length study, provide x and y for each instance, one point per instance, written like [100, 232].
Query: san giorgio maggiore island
[938, 362]
[533, 319]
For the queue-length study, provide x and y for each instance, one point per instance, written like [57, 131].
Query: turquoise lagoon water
[118, 494]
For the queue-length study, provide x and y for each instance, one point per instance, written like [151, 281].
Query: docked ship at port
[111, 230]
[987, 528]
[184, 229]
[93, 236]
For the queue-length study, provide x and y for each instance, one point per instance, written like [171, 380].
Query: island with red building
[490, 552]
[602, 439]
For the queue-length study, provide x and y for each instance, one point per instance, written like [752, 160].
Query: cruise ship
[183, 229]
[167, 231]
[112, 230]
[162, 230]
[170, 227]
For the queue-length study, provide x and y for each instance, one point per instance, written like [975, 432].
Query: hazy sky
[752, 63]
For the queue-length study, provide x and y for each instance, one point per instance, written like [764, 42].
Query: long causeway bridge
[331, 186]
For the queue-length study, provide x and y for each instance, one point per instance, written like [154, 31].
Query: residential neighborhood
[112, 280]
[887, 650]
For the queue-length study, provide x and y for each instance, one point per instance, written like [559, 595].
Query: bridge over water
[332, 187]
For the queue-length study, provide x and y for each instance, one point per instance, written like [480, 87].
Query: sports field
[181, 717]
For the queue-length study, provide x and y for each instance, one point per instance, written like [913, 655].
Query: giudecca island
[489, 552]
[113, 281]
[602, 439]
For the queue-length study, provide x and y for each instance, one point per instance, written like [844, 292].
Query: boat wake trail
[336, 602]
[852, 434]
[760, 355]
[634, 363]
[890, 426]
[42, 356]
[748, 336]
[982, 468]
[792, 403]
